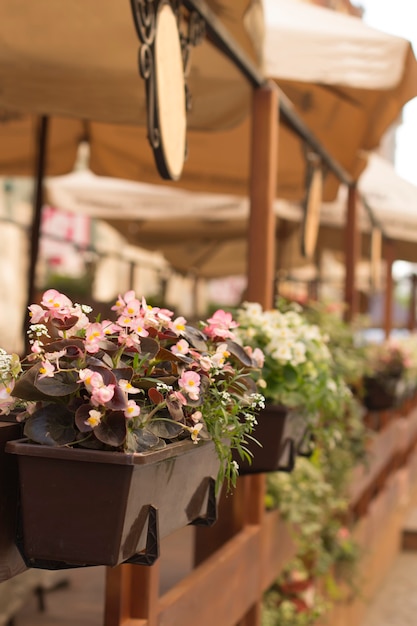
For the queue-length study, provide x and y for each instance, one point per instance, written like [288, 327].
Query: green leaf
[52, 425]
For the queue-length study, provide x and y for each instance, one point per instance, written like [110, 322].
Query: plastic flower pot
[283, 433]
[11, 562]
[84, 507]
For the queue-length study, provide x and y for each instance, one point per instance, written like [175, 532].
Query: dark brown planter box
[382, 393]
[11, 562]
[282, 433]
[87, 507]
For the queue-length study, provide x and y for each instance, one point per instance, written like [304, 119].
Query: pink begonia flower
[132, 308]
[109, 327]
[102, 395]
[37, 314]
[204, 361]
[130, 340]
[92, 380]
[93, 335]
[132, 409]
[195, 431]
[197, 416]
[220, 356]
[127, 387]
[58, 305]
[178, 325]
[138, 326]
[190, 383]
[177, 395]
[36, 347]
[343, 533]
[47, 370]
[220, 325]
[165, 315]
[6, 400]
[94, 419]
[53, 299]
[256, 355]
[123, 301]
[181, 347]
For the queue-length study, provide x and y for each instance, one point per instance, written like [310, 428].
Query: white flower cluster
[5, 365]
[286, 336]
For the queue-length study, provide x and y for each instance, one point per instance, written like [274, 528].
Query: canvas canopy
[333, 99]
[81, 61]
[205, 233]
[393, 202]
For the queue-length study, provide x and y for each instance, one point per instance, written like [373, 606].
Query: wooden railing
[237, 562]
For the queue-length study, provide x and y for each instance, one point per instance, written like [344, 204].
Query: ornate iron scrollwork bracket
[149, 16]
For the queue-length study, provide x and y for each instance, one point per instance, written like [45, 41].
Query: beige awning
[343, 97]
[206, 233]
[80, 60]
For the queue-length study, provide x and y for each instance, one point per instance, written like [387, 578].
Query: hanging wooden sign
[163, 56]
[312, 206]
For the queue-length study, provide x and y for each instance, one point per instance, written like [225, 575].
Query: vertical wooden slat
[352, 254]
[389, 286]
[117, 606]
[145, 592]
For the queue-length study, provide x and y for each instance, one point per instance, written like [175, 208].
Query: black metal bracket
[151, 552]
[306, 445]
[289, 449]
[210, 517]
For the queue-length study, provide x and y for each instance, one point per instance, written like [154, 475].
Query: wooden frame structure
[240, 557]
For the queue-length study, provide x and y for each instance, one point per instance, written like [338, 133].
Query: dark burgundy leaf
[52, 425]
[239, 353]
[165, 428]
[142, 439]
[149, 346]
[112, 430]
[81, 416]
[123, 373]
[175, 409]
[118, 401]
[196, 338]
[61, 384]
[66, 323]
[155, 395]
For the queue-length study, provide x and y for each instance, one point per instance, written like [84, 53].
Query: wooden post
[40, 168]
[263, 181]
[261, 257]
[413, 303]
[352, 254]
[389, 287]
